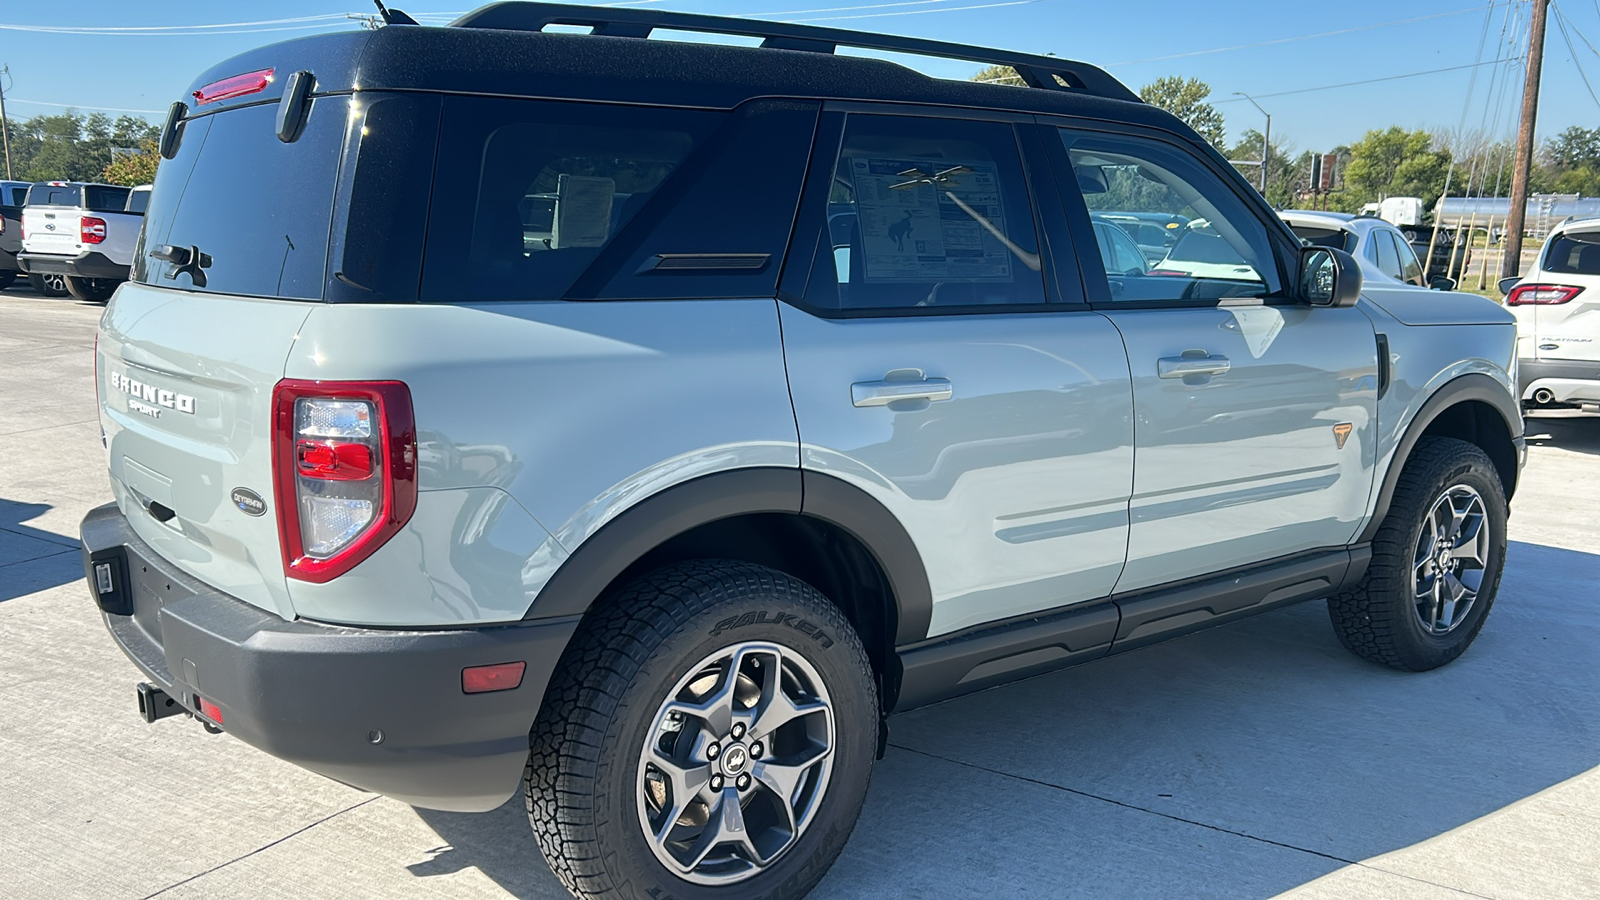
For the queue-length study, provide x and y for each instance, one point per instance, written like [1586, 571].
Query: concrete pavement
[1254, 760]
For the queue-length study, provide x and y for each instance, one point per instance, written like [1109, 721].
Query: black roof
[499, 50]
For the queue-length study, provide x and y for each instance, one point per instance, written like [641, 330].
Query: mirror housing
[1441, 283]
[1329, 278]
[1506, 284]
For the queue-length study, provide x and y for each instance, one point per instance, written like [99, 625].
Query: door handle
[891, 390]
[1192, 362]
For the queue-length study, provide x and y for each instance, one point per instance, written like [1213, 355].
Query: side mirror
[172, 130]
[1329, 277]
[1506, 284]
[1441, 283]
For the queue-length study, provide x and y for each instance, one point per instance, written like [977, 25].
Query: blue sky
[147, 66]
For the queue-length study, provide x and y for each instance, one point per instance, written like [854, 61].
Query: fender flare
[1472, 386]
[647, 524]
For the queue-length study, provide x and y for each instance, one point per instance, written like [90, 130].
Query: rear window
[55, 195]
[105, 199]
[13, 195]
[1574, 253]
[256, 209]
[529, 193]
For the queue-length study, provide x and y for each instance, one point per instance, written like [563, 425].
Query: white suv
[1557, 305]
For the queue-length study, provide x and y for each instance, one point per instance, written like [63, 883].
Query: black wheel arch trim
[634, 532]
[1469, 387]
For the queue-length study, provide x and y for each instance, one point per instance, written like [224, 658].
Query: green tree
[134, 168]
[1285, 175]
[1393, 162]
[70, 146]
[999, 75]
[1570, 162]
[1186, 99]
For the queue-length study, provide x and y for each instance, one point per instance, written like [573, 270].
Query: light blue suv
[638, 424]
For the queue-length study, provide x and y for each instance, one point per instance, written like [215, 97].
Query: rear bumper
[1568, 380]
[8, 261]
[89, 264]
[380, 710]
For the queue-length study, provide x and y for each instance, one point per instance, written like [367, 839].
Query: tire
[594, 795]
[92, 290]
[1382, 618]
[7, 278]
[48, 285]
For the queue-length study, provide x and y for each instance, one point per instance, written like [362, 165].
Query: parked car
[791, 419]
[12, 196]
[1155, 233]
[1382, 250]
[1557, 305]
[82, 233]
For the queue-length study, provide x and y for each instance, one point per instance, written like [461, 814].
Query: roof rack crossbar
[1036, 71]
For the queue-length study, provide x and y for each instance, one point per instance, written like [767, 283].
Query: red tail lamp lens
[210, 710]
[237, 86]
[498, 677]
[333, 460]
[91, 230]
[1542, 294]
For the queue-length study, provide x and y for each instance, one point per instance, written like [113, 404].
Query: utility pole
[1511, 261]
[5, 127]
[1266, 139]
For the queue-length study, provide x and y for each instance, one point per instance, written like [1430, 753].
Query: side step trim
[1003, 652]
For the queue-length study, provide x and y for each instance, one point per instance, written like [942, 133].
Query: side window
[1221, 248]
[926, 212]
[1388, 259]
[1410, 267]
[528, 193]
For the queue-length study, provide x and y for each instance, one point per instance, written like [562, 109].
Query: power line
[1303, 37]
[1329, 87]
[153, 112]
[1561, 25]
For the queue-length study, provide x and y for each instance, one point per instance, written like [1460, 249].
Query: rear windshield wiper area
[184, 259]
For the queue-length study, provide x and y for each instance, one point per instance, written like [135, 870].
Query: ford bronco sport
[637, 424]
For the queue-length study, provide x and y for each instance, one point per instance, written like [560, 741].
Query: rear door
[1254, 417]
[934, 364]
[188, 356]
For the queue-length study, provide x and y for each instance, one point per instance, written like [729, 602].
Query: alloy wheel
[736, 763]
[1450, 558]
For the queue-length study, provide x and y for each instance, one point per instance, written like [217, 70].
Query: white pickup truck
[82, 235]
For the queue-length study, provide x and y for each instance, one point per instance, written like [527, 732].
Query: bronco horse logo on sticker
[1341, 433]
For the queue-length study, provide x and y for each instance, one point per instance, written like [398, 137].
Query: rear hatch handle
[184, 259]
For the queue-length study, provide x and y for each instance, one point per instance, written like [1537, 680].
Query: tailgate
[51, 229]
[185, 382]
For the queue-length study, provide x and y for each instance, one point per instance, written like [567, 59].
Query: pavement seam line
[62, 552]
[1206, 825]
[47, 427]
[60, 540]
[267, 846]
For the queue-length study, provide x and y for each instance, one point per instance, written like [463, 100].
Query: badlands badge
[1341, 433]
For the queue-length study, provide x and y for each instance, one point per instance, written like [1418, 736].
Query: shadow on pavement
[1578, 432]
[1242, 762]
[31, 559]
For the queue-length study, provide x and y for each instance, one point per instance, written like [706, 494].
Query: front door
[1254, 430]
[935, 364]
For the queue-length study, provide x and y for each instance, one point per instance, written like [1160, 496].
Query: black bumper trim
[89, 264]
[1531, 370]
[380, 710]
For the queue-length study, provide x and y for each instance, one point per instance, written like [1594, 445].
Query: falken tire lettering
[780, 618]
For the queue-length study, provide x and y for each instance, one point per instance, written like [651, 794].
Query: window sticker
[930, 220]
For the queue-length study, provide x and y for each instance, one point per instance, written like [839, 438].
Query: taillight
[91, 230]
[344, 464]
[1541, 294]
[236, 86]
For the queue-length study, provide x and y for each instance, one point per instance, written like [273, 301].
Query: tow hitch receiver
[154, 703]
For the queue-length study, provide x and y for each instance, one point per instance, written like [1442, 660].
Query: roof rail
[1035, 71]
